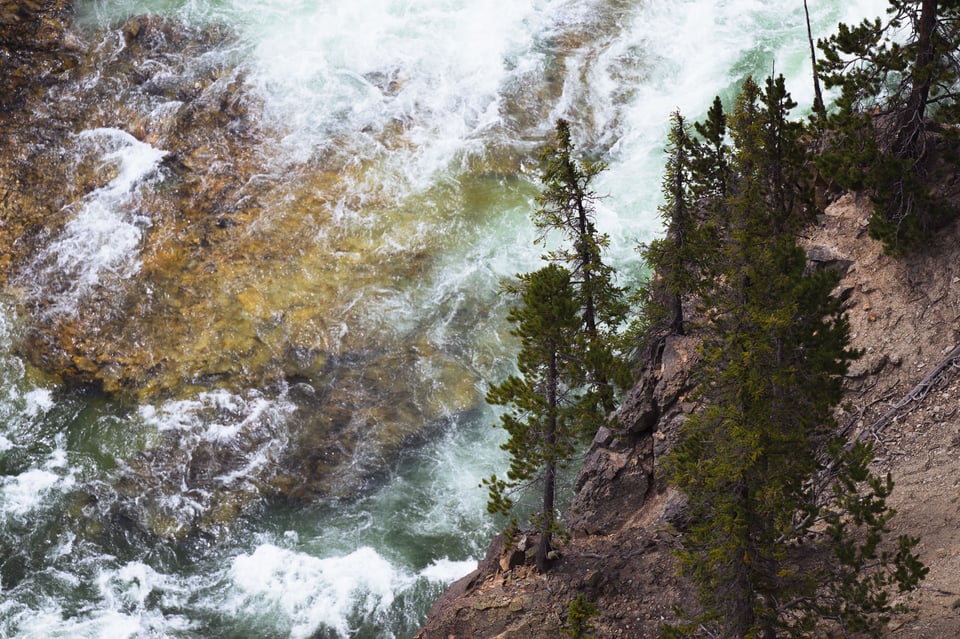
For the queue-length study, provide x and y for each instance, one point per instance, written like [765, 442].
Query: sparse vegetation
[580, 614]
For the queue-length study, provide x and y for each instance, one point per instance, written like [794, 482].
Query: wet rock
[243, 275]
[32, 51]
[616, 478]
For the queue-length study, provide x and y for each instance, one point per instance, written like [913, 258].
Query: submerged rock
[34, 48]
[244, 269]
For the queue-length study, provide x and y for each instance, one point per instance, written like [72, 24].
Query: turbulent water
[475, 87]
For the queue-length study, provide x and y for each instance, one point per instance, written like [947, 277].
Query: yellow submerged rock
[252, 272]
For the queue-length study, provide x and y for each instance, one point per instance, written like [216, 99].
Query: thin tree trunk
[679, 223]
[550, 470]
[677, 324]
[582, 246]
[589, 311]
[818, 107]
[742, 615]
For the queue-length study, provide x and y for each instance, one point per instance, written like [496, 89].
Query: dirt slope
[905, 315]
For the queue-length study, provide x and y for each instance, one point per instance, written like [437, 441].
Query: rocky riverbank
[904, 314]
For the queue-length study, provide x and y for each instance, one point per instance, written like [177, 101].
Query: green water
[393, 176]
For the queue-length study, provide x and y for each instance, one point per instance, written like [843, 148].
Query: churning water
[469, 83]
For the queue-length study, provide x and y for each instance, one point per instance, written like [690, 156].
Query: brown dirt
[905, 316]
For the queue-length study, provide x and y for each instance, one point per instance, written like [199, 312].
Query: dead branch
[916, 394]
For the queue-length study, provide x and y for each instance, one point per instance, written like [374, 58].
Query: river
[428, 115]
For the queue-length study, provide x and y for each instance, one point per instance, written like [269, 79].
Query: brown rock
[511, 559]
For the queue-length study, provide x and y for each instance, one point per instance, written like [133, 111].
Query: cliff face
[619, 555]
[905, 316]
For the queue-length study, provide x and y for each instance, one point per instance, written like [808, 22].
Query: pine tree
[711, 167]
[677, 257]
[580, 613]
[819, 107]
[891, 87]
[710, 180]
[773, 362]
[567, 206]
[543, 400]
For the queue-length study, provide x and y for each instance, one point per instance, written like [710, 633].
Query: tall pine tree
[567, 206]
[677, 258]
[695, 185]
[543, 400]
[773, 360]
[568, 320]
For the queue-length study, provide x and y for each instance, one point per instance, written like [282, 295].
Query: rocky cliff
[904, 395]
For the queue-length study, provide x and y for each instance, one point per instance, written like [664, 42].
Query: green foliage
[567, 207]
[905, 212]
[544, 400]
[864, 570]
[771, 376]
[695, 181]
[882, 64]
[894, 75]
[569, 322]
[711, 166]
[580, 614]
[677, 257]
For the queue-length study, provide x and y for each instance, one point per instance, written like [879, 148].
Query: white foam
[218, 416]
[335, 75]
[20, 494]
[52, 623]
[25, 491]
[104, 234]
[129, 586]
[39, 400]
[446, 571]
[307, 592]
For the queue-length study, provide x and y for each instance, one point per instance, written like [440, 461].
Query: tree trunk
[742, 597]
[546, 528]
[583, 248]
[679, 223]
[818, 106]
[584, 252]
[676, 325]
[550, 468]
[910, 122]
